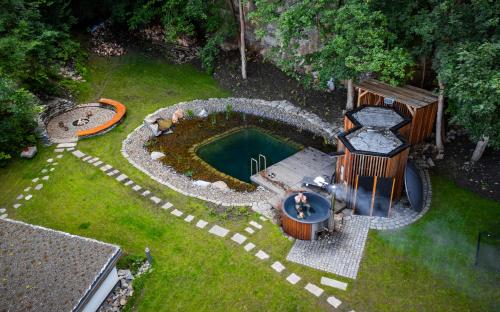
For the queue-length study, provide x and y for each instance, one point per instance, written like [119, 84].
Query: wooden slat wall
[348, 124]
[296, 229]
[423, 118]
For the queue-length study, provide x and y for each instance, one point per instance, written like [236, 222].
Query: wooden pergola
[419, 104]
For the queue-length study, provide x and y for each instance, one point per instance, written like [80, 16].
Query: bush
[18, 111]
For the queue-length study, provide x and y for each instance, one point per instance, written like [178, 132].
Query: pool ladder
[258, 164]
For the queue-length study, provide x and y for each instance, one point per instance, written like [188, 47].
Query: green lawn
[424, 267]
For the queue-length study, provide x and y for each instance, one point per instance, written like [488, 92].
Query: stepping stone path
[313, 289]
[59, 150]
[28, 197]
[333, 283]
[262, 218]
[219, 231]
[112, 173]
[78, 154]
[155, 199]
[121, 177]
[20, 196]
[177, 213]
[249, 230]
[136, 187]
[189, 218]
[293, 278]
[201, 224]
[262, 255]
[334, 302]
[129, 182]
[17, 206]
[59, 156]
[4, 216]
[35, 180]
[255, 225]
[146, 193]
[38, 187]
[167, 206]
[238, 238]
[93, 160]
[66, 145]
[44, 170]
[278, 267]
[98, 163]
[45, 178]
[249, 246]
[50, 160]
[52, 169]
[27, 189]
[2, 210]
[86, 158]
[106, 168]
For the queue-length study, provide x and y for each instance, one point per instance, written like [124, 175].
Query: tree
[242, 41]
[18, 111]
[472, 73]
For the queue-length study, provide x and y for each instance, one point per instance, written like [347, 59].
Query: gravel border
[134, 151]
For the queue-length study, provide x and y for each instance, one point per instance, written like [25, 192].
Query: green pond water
[231, 154]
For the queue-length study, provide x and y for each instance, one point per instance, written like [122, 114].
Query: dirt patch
[193, 131]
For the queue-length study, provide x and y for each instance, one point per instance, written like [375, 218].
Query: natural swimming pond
[231, 153]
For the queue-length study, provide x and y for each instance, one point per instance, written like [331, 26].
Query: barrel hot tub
[313, 222]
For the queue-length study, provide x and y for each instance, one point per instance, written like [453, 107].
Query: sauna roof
[409, 95]
[374, 140]
[376, 116]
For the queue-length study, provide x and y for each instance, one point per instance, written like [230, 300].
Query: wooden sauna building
[374, 151]
[418, 104]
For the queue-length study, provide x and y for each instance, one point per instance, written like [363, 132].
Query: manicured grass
[427, 266]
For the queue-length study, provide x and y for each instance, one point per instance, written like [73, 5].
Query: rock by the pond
[201, 183]
[157, 155]
[220, 185]
[203, 113]
[29, 152]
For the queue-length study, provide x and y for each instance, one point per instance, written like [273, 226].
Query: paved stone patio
[340, 253]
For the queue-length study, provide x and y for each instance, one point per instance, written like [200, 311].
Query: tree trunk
[242, 41]
[424, 65]
[350, 95]
[480, 147]
[439, 119]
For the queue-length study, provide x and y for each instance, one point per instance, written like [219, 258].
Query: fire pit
[303, 219]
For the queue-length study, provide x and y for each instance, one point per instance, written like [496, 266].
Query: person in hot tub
[301, 205]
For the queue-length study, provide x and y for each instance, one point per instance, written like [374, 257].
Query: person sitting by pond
[301, 205]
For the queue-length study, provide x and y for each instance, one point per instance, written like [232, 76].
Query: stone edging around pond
[134, 151]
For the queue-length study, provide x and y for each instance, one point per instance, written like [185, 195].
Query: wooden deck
[287, 174]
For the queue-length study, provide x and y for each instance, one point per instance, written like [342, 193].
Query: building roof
[409, 95]
[47, 270]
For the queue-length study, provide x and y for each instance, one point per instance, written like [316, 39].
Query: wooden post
[350, 95]
[373, 194]
[439, 119]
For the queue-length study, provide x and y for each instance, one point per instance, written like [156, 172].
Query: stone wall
[51, 108]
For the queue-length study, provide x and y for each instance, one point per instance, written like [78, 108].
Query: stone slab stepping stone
[59, 156]
[293, 278]
[78, 154]
[333, 283]
[17, 205]
[55, 164]
[334, 302]
[167, 206]
[46, 178]
[262, 255]
[67, 144]
[38, 187]
[97, 163]
[177, 213]
[70, 149]
[106, 168]
[189, 218]
[255, 225]
[50, 160]
[86, 158]
[27, 189]
[112, 173]
[278, 267]
[136, 187]
[263, 218]
[2, 210]
[238, 238]
[218, 230]
[146, 193]
[129, 182]
[249, 246]
[20, 196]
[35, 180]
[44, 171]
[52, 169]
[4, 216]
[28, 197]
[313, 289]
[155, 199]
[59, 150]
[201, 224]
[121, 177]
[249, 230]
[93, 160]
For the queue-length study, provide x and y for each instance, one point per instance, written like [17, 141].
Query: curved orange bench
[120, 111]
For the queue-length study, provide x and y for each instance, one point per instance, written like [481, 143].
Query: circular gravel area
[99, 116]
[133, 146]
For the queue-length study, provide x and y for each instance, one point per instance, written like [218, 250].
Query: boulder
[157, 155]
[220, 185]
[201, 183]
[29, 152]
[203, 113]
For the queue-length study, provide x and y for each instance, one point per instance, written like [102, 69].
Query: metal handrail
[252, 161]
[265, 161]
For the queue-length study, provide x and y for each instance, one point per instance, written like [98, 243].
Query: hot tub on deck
[308, 227]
